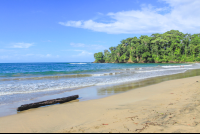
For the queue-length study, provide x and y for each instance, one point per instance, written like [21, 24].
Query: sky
[73, 30]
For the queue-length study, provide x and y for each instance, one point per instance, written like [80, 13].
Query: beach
[83, 67]
[170, 106]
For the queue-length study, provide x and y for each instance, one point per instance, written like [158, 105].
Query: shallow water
[113, 79]
[26, 81]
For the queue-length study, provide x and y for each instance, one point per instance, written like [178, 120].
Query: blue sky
[73, 30]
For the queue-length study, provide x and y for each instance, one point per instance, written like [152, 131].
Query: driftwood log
[47, 102]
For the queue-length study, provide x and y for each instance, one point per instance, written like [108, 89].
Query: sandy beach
[170, 106]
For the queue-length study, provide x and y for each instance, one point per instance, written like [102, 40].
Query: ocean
[22, 82]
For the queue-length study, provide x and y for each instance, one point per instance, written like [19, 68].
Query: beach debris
[104, 124]
[147, 124]
[197, 81]
[47, 102]
[171, 93]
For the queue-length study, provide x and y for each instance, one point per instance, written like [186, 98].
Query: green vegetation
[170, 47]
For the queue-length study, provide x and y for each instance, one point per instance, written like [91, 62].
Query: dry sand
[171, 106]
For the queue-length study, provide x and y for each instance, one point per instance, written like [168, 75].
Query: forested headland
[170, 47]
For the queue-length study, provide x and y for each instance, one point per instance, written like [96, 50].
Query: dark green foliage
[99, 57]
[172, 46]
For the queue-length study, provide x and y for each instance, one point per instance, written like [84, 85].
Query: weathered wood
[47, 102]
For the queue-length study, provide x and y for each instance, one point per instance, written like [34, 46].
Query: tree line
[170, 47]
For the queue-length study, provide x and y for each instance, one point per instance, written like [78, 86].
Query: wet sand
[170, 106]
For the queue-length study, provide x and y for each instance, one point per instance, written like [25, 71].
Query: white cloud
[70, 23]
[47, 41]
[77, 44]
[82, 53]
[6, 50]
[29, 55]
[47, 55]
[21, 45]
[91, 47]
[183, 16]
[3, 57]
[22, 56]
[178, 2]
[44, 55]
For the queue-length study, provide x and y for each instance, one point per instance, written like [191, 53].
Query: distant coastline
[149, 62]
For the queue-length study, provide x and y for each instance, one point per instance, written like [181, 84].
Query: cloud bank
[82, 53]
[183, 16]
[22, 45]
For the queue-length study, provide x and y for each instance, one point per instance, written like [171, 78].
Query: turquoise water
[25, 81]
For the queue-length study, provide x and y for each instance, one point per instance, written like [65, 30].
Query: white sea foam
[176, 66]
[111, 73]
[45, 89]
[10, 89]
[170, 66]
[172, 69]
[77, 63]
[97, 74]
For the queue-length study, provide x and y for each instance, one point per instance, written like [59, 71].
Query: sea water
[21, 82]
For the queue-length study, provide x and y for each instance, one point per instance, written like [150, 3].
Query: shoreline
[97, 92]
[170, 106]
